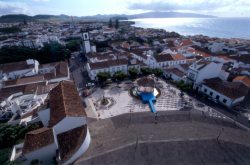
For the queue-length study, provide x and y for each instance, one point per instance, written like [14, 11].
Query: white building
[203, 69]
[65, 135]
[226, 93]
[19, 69]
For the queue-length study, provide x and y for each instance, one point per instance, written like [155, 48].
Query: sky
[220, 8]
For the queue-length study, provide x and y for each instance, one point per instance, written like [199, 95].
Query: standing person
[155, 119]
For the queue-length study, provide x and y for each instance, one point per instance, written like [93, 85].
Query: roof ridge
[63, 98]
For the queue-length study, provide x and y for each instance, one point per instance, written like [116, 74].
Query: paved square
[169, 100]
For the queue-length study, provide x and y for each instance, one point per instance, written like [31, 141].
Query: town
[75, 86]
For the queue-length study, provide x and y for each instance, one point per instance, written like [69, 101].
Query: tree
[183, 86]
[116, 23]
[74, 45]
[103, 76]
[158, 72]
[120, 75]
[150, 41]
[5, 156]
[133, 72]
[11, 134]
[146, 71]
[25, 22]
[110, 23]
[53, 53]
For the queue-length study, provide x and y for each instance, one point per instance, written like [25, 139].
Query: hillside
[16, 18]
[98, 17]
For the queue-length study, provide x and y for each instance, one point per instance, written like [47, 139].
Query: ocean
[212, 27]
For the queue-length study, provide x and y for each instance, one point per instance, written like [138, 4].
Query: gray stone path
[174, 127]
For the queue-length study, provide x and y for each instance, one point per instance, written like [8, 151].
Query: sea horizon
[222, 27]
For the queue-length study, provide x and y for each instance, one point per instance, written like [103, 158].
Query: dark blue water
[213, 27]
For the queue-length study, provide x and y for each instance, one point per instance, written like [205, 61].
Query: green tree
[183, 86]
[25, 22]
[110, 23]
[116, 23]
[103, 76]
[120, 75]
[53, 53]
[150, 41]
[5, 156]
[74, 45]
[158, 72]
[133, 72]
[11, 134]
[146, 71]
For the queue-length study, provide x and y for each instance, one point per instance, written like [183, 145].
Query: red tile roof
[70, 141]
[244, 79]
[65, 101]
[178, 56]
[37, 139]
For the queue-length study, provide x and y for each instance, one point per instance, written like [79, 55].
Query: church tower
[85, 38]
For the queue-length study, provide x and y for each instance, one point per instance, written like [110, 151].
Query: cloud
[14, 8]
[190, 5]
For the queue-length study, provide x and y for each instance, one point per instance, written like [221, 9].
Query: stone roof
[65, 101]
[25, 89]
[163, 58]
[98, 65]
[232, 90]
[176, 71]
[70, 141]
[62, 69]
[146, 82]
[244, 79]
[117, 62]
[15, 66]
[178, 56]
[37, 139]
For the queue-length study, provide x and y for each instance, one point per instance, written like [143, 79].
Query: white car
[90, 84]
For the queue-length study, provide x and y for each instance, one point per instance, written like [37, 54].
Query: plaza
[168, 100]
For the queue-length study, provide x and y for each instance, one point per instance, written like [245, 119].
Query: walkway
[135, 137]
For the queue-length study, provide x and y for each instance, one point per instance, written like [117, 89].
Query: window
[224, 100]
[118, 68]
[211, 93]
[94, 72]
[86, 36]
[123, 68]
[104, 70]
[159, 64]
[205, 90]
[138, 67]
[217, 97]
[113, 69]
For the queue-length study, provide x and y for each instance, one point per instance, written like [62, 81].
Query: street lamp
[222, 129]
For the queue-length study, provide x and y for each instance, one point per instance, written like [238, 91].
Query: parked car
[85, 93]
[212, 99]
[84, 104]
[193, 90]
[72, 58]
[90, 84]
[108, 81]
